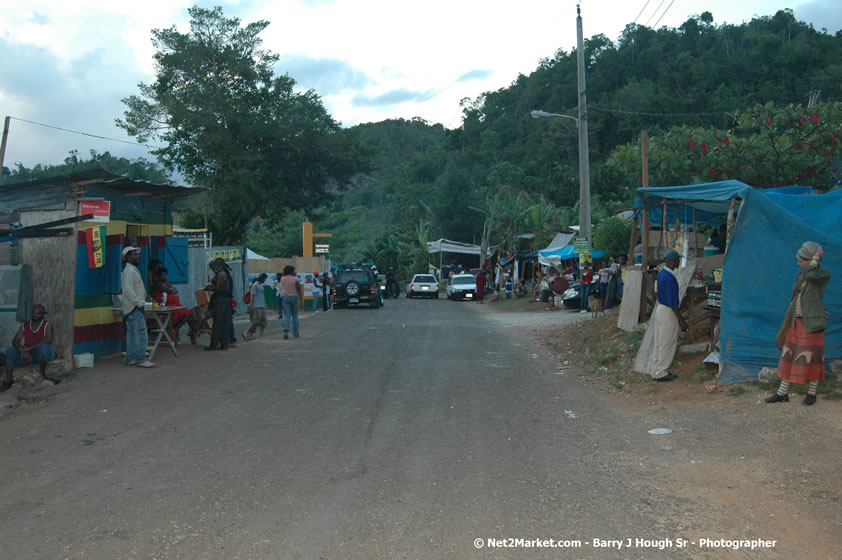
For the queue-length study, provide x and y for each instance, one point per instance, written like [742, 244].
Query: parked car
[461, 286]
[356, 287]
[423, 285]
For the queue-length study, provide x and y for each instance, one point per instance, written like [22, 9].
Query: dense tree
[230, 125]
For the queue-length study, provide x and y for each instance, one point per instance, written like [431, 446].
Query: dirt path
[733, 466]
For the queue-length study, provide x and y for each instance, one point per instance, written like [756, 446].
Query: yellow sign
[230, 255]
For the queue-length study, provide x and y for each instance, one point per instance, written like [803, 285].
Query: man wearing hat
[667, 319]
[134, 297]
[29, 346]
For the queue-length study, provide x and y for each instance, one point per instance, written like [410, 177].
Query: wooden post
[664, 226]
[3, 145]
[695, 237]
[644, 265]
[644, 155]
[644, 260]
[633, 241]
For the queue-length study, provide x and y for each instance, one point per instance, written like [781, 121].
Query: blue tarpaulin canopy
[759, 271]
[709, 201]
[760, 265]
[565, 253]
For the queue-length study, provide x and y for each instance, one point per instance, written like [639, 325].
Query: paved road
[405, 432]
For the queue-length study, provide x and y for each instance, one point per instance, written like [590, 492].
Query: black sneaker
[667, 377]
[809, 400]
[778, 398]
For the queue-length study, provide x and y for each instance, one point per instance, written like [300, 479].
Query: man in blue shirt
[667, 319]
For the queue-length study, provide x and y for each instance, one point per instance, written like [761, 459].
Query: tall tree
[230, 125]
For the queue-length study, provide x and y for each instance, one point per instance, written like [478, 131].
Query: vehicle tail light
[437, 287]
[372, 290]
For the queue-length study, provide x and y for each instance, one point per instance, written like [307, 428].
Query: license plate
[469, 295]
[425, 288]
[354, 300]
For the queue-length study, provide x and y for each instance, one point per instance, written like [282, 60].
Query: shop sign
[322, 248]
[101, 209]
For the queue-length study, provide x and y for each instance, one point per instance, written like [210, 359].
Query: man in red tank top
[31, 345]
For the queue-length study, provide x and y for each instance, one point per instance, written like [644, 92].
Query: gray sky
[68, 64]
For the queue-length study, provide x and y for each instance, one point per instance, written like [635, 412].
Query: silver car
[462, 286]
[423, 285]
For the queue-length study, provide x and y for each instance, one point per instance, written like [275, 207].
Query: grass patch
[736, 391]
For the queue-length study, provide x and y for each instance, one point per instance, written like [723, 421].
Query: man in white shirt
[134, 296]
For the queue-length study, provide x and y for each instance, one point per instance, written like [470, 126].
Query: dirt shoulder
[750, 468]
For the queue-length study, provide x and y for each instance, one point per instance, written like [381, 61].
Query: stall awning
[444, 245]
[555, 257]
[709, 200]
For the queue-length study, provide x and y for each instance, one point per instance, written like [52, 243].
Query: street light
[582, 125]
[542, 114]
[584, 179]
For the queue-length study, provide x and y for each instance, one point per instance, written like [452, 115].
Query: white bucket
[83, 360]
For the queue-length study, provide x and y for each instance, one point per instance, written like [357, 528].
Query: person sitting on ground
[30, 345]
[166, 295]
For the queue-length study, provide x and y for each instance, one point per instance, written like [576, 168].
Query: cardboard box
[202, 297]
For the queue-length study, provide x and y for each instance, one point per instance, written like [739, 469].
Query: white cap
[128, 250]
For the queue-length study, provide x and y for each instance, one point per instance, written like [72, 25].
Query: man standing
[316, 290]
[667, 319]
[134, 296]
[220, 305]
[257, 308]
[30, 345]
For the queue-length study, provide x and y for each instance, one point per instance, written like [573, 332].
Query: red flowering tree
[767, 146]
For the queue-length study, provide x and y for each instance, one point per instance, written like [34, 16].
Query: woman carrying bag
[801, 337]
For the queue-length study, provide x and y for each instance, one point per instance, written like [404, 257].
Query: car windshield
[354, 275]
[424, 278]
[464, 280]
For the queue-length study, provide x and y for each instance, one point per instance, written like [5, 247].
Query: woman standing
[802, 355]
[293, 300]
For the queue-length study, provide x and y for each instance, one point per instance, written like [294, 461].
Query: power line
[148, 146]
[648, 114]
[663, 14]
[641, 11]
[655, 12]
[456, 81]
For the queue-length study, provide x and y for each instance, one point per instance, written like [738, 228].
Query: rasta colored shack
[77, 274]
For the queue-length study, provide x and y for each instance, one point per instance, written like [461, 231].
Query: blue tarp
[711, 201]
[565, 253]
[759, 271]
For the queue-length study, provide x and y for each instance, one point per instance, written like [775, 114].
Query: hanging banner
[101, 209]
[96, 246]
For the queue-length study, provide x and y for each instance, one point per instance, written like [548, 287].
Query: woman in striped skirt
[802, 356]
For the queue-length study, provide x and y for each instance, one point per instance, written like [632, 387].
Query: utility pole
[3, 145]
[584, 157]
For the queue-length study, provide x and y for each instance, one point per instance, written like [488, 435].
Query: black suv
[356, 287]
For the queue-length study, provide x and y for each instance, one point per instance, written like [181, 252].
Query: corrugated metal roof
[100, 176]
